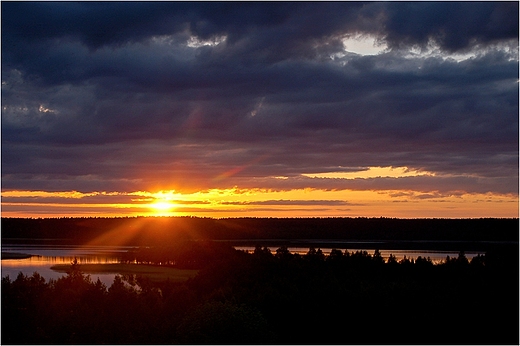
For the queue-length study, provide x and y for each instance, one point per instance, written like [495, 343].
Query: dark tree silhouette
[283, 299]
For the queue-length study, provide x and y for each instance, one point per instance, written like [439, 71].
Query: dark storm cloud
[452, 25]
[108, 96]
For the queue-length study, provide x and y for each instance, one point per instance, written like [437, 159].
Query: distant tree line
[281, 298]
[147, 231]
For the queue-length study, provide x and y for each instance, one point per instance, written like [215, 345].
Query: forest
[148, 231]
[275, 297]
[271, 297]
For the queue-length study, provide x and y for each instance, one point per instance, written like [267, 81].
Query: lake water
[435, 256]
[43, 257]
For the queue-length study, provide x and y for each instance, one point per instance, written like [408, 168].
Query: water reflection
[435, 256]
[45, 256]
[53, 260]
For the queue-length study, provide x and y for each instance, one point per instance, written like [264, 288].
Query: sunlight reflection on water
[44, 257]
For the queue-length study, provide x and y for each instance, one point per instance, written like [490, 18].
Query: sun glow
[162, 208]
[366, 201]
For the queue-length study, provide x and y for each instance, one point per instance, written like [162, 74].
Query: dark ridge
[470, 234]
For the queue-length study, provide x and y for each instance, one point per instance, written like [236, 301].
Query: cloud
[447, 185]
[133, 106]
[453, 26]
[291, 202]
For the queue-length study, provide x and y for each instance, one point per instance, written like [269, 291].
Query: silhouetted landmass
[15, 255]
[457, 234]
[282, 298]
[153, 272]
[264, 298]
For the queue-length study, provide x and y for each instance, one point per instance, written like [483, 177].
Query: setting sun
[161, 208]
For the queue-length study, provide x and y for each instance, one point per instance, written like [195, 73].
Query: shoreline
[155, 273]
[15, 255]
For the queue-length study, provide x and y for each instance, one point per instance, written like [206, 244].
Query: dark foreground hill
[265, 298]
[281, 299]
[472, 234]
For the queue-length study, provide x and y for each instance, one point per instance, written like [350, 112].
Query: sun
[162, 207]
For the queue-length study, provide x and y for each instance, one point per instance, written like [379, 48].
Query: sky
[260, 109]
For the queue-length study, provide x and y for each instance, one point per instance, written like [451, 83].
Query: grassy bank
[156, 273]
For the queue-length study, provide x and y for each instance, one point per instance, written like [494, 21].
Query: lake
[43, 257]
[436, 256]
